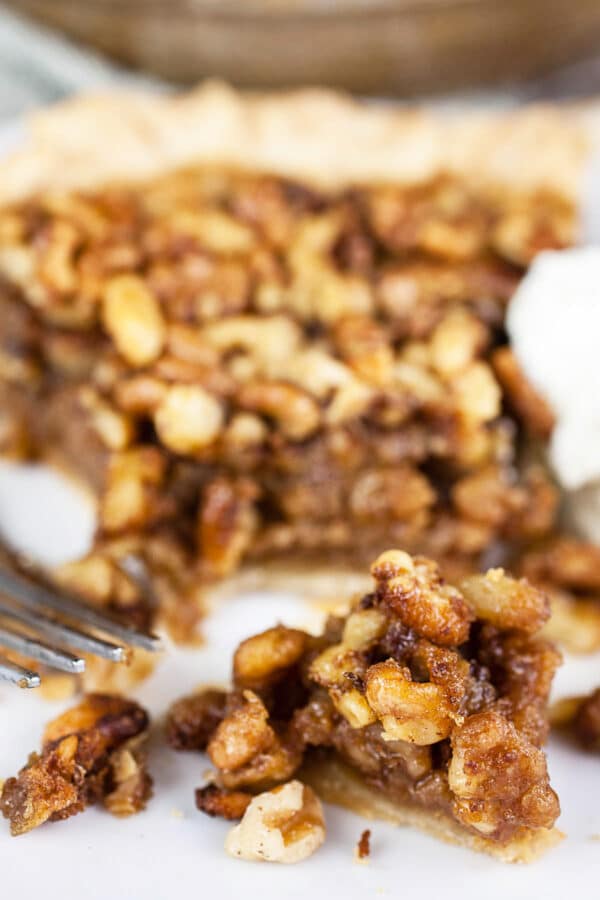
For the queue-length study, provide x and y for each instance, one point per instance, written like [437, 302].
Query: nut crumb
[177, 813]
[362, 851]
[90, 753]
[216, 801]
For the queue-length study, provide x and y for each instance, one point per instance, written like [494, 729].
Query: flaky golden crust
[317, 135]
[336, 783]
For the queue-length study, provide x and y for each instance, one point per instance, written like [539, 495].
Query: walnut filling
[243, 366]
[436, 695]
[90, 754]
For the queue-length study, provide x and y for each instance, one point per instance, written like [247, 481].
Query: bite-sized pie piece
[426, 704]
[91, 753]
[252, 345]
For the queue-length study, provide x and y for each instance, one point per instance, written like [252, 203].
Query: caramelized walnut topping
[566, 562]
[505, 602]
[581, 717]
[498, 778]
[415, 590]
[587, 722]
[531, 408]
[438, 698]
[216, 801]
[227, 523]
[89, 754]
[192, 720]
[262, 660]
[408, 710]
[247, 750]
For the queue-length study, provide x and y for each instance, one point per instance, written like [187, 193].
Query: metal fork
[43, 625]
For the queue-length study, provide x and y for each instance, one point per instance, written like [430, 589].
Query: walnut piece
[192, 720]
[581, 717]
[247, 750]
[409, 711]
[497, 776]
[216, 801]
[90, 753]
[506, 602]
[285, 825]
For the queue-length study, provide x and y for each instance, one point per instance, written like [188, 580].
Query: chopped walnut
[415, 590]
[565, 562]
[192, 720]
[247, 750]
[227, 523]
[581, 717]
[133, 318]
[498, 777]
[268, 657]
[506, 602]
[131, 787]
[531, 408]
[408, 710]
[89, 754]
[188, 418]
[216, 801]
[587, 722]
[285, 825]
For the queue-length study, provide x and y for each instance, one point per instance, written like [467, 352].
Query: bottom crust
[335, 783]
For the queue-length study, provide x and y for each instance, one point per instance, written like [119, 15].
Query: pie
[270, 328]
[425, 705]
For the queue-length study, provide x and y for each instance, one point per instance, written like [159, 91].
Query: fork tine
[49, 656]
[36, 597]
[72, 638]
[23, 678]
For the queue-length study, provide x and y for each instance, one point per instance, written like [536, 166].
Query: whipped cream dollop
[554, 328]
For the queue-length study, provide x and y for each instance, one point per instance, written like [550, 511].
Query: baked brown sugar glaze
[242, 367]
[435, 695]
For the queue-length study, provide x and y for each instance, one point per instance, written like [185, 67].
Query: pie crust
[335, 783]
[314, 135]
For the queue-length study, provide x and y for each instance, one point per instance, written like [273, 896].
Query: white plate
[173, 852]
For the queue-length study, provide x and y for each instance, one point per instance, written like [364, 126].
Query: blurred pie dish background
[370, 46]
